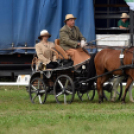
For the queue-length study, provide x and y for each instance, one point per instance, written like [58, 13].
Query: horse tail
[91, 70]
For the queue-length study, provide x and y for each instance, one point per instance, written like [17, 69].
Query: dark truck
[15, 64]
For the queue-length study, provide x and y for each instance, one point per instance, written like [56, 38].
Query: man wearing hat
[123, 23]
[72, 41]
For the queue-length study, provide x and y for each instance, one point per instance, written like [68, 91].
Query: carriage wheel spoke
[66, 83]
[38, 84]
[42, 91]
[60, 93]
[65, 99]
[34, 88]
[61, 85]
[34, 91]
[40, 100]
[81, 95]
[68, 88]
[69, 92]
[117, 93]
[88, 95]
[34, 97]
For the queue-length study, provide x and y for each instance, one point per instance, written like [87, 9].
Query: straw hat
[44, 33]
[69, 16]
[124, 15]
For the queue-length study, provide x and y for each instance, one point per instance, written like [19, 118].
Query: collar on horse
[121, 60]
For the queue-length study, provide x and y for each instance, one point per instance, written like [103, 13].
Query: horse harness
[122, 58]
[133, 56]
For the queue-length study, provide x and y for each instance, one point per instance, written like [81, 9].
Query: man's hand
[121, 27]
[83, 43]
[78, 44]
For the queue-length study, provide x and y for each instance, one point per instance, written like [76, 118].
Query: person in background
[123, 23]
[72, 41]
[43, 49]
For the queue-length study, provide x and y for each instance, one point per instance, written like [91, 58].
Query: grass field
[19, 116]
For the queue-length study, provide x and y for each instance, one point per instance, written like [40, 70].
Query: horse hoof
[99, 102]
[112, 100]
[132, 101]
[123, 102]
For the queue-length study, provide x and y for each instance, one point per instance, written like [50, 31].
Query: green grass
[19, 116]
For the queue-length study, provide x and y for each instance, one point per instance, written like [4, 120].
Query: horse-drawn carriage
[65, 81]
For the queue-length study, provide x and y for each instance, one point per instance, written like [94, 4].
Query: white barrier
[22, 80]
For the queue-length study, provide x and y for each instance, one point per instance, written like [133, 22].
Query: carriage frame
[65, 82]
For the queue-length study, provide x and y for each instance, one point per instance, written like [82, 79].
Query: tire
[64, 89]
[90, 94]
[92, 91]
[119, 92]
[37, 91]
[108, 94]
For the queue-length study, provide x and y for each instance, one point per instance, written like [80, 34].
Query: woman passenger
[43, 49]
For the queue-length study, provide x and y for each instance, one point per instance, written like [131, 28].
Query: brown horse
[108, 60]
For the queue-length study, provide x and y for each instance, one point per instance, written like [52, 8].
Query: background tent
[22, 20]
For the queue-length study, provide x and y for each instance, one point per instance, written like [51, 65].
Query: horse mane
[131, 48]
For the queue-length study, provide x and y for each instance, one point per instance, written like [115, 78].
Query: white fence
[22, 80]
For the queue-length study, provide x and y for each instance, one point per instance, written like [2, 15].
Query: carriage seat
[60, 50]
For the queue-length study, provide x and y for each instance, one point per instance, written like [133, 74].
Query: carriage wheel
[37, 91]
[80, 95]
[64, 89]
[109, 93]
[119, 92]
[90, 94]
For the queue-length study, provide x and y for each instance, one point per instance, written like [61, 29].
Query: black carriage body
[63, 81]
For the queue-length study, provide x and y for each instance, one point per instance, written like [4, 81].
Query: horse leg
[129, 81]
[116, 82]
[130, 92]
[104, 79]
[100, 82]
[99, 89]
[131, 74]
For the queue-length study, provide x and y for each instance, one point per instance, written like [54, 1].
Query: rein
[129, 51]
[107, 73]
